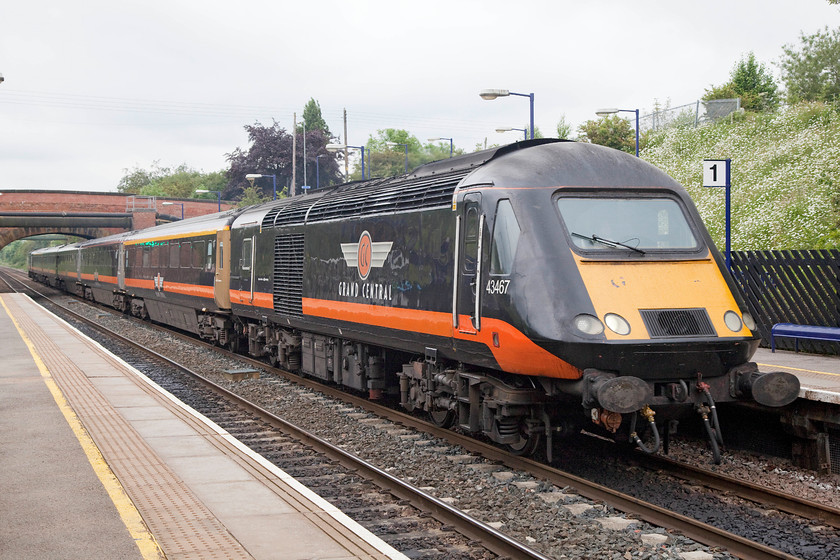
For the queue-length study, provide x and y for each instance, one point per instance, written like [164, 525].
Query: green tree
[612, 131]
[564, 129]
[270, 153]
[313, 119]
[752, 82]
[133, 181]
[811, 72]
[180, 182]
[387, 152]
[252, 196]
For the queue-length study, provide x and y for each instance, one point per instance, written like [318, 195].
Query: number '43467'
[497, 286]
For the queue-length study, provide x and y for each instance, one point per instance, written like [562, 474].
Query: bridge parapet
[24, 213]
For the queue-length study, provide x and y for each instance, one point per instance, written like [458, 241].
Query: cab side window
[246, 254]
[471, 238]
[505, 239]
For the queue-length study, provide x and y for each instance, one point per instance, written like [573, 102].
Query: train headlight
[617, 324]
[733, 321]
[749, 321]
[588, 324]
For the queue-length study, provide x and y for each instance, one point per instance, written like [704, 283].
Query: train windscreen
[637, 224]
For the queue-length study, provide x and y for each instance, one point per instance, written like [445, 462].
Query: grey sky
[94, 88]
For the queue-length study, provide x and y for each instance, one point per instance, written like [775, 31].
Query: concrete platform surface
[97, 461]
[818, 375]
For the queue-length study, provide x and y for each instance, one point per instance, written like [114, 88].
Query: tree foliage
[564, 129]
[312, 118]
[752, 82]
[177, 182]
[270, 153]
[811, 72]
[612, 131]
[385, 153]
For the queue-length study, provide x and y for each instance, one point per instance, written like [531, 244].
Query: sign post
[717, 173]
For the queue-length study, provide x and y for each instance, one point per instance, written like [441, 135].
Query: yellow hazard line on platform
[125, 507]
[799, 369]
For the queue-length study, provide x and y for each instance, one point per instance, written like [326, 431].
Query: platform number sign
[716, 172]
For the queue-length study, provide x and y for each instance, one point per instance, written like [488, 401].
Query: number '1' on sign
[716, 172]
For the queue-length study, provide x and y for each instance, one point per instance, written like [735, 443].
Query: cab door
[468, 297]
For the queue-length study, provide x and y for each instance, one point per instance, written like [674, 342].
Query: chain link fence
[691, 114]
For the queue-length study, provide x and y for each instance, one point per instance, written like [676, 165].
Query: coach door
[467, 318]
[221, 280]
[121, 266]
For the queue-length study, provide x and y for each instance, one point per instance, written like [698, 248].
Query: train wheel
[528, 441]
[442, 418]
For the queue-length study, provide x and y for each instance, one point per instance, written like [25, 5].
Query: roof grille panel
[669, 323]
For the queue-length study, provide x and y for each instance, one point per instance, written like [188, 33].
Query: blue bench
[802, 331]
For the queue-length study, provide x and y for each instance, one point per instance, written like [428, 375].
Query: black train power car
[518, 292]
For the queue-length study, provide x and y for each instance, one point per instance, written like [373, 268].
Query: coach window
[147, 257]
[246, 254]
[174, 254]
[210, 262]
[505, 238]
[186, 254]
[155, 259]
[198, 254]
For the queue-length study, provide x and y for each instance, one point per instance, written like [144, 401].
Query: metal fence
[791, 286]
[691, 114]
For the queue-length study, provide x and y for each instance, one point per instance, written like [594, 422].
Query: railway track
[313, 461]
[656, 515]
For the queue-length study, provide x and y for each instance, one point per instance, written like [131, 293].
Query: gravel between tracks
[553, 520]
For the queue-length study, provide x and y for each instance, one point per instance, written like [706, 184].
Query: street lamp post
[450, 143]
[318, 171]
[171, 203]
[218, 196]
[340, 147]
[490, 94]
[612, 111]
[509, 128]
[252, 176]
[406, 152]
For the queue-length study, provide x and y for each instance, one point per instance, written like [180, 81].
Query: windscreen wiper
[608, 242]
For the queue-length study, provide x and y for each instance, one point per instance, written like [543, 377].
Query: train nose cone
[775, 388]
[623, 394]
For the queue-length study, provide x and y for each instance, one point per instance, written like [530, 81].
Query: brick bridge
[24, 213]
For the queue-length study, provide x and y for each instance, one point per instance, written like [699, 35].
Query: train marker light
[617, 324]
[732, 321]
[588, 324]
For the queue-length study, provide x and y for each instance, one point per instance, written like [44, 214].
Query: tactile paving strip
[182, 525]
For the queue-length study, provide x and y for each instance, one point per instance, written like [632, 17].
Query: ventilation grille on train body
[668, 323]
[367, 198]
[288, 274]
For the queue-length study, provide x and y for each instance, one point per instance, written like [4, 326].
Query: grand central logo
[366, 254]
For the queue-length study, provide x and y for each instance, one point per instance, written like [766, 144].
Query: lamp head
[490, 94]
[335, 147]
[607, 111]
